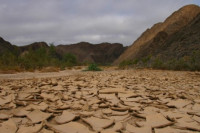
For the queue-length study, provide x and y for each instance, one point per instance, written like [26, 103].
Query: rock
[120, 108]
[4, 116]
[157, 121]
[133, 129]
[98, 124]
[71, 127]
[23, 95]
[196, 118]
[5, 100]
[112, 90]
[65, 117]
[187, 123]
[50, 97]
[173, 115]
[57, 88]
[119, 113]
[86, 114]
[118, 126]
[108, 131]
[46, 131]
[20, 112]
[42, 106]
[196, 107]
[30, 129]
[106, 111]
[180, 103]
[169, 130]
[122, 118]
[110, 97]
[37, 116]
[128, 94]
[8, 127]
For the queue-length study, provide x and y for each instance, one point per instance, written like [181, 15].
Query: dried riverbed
[127, 101]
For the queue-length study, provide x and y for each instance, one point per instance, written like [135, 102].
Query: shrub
[128, 63]
[69, 60]
[93, 67]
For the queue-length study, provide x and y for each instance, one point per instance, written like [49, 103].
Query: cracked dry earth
[126, 101]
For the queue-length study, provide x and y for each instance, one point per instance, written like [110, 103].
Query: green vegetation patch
[188, 63]
[93, 67]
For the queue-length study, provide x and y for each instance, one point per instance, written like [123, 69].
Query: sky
[23, 22]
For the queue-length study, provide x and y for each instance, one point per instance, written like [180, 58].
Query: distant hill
[176, 37]
[33, 46]
[6, 46]
[104, 53]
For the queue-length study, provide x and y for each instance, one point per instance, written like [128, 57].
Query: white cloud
[66, 21]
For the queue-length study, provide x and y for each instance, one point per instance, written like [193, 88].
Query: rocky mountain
[103, 53]
[6, 46]
[174, 37]
[34, 46]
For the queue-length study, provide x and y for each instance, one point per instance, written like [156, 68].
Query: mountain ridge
[172, 24]
[103, 53]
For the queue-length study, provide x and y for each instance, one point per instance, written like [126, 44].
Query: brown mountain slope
[180, 44]
[103, 53]
[6, 47]
[160, 32]
[34, 46]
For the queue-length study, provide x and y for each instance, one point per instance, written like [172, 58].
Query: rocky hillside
[103, 53]
[6, 46]
[34, 46]
[175, 37]
[178, 45]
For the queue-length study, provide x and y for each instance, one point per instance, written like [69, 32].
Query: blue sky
[71, 21]
[197, 2]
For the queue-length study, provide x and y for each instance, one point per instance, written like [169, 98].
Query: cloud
[66, 21]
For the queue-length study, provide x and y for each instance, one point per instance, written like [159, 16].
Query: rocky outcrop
[6, 47]
[34, 46]
[104, 53]
[178, 45]
[162, 33]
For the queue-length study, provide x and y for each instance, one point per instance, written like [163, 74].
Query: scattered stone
[5, 100]
[98, 124]
[106, 111]
[86, 114]
[157, 121]
[4, 116]
[133, 129]
[20, 112]
[112, 90]
[127, 101]
[170, 130]
[46, 131]
[65, 117]
[122, 118]
[118, 126]
[30, 129]
[37, 116]
[8, 127]
[180, 103]
[196, 118]
[42, 106]
[72, 127]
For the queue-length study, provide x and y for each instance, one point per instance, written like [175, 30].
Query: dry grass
[50, 69]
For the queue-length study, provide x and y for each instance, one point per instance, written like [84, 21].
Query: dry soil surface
[115, 101]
